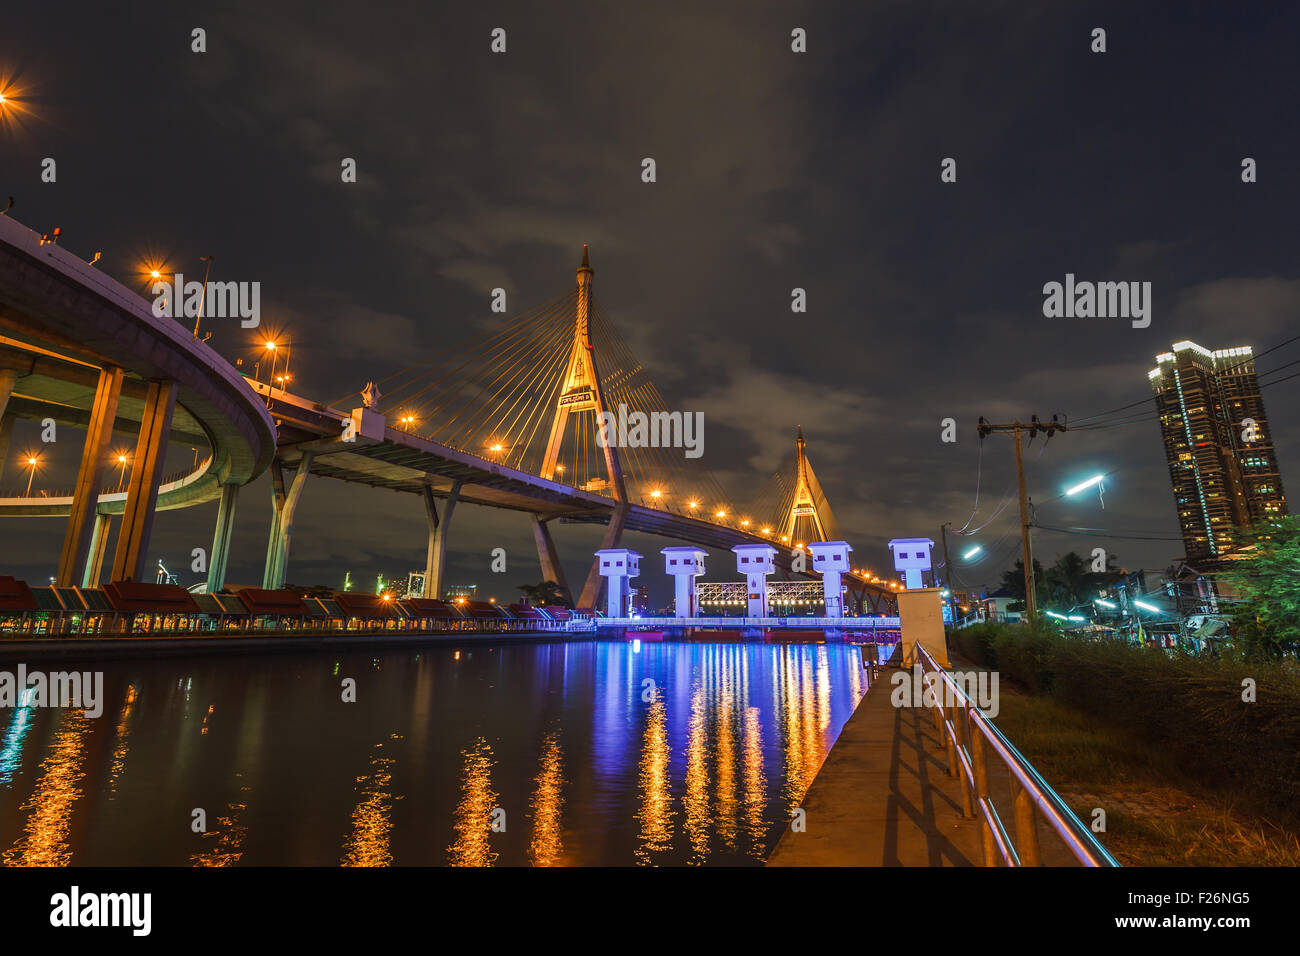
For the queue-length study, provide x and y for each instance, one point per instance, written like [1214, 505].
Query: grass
[1158, 812]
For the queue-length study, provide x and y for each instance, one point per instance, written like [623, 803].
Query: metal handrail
[960, 721]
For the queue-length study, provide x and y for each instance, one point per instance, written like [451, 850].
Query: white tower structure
[911, 556]
[831, 558]
[685, 565]
[756, 562]
[619, 565]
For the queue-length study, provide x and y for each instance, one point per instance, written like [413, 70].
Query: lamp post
[204, 293]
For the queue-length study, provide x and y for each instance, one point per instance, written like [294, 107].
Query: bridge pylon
[581, 392]
[809, 518]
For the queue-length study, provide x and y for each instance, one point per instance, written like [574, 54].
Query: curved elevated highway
[81, 348]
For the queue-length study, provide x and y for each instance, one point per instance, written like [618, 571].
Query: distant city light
[1094, 480]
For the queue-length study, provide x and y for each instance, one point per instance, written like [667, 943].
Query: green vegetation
[1069, 582]
[1186, 709]
[1268, 583]
[547, 592]
[1157, 814]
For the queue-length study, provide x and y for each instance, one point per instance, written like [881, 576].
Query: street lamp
[204, 294]
[972, 552]
[32, 462]
[1148, 607]
[1084, 485]
[121, 472]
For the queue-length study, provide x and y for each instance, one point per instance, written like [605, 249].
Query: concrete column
[619, 565]
[277, 506]
[831, 558]
[280, 568]
[85, 497]
[98, 548]
[436, 557]
[6, 433]
[920, 611]
[220, 553]
[756, 562]
[548, 557]
[613, 535]
[8, 377]
[146, 475]
[685, 565]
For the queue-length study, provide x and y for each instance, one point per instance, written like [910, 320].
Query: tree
[1072, 582]
[1013, 580]
[547, 592]
[1267, 579]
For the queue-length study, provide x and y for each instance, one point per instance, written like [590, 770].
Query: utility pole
[1026, 544]
[947, 572]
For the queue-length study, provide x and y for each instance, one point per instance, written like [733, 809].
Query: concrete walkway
[883, 797]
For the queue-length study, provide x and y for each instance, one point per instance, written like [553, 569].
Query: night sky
[775, 170]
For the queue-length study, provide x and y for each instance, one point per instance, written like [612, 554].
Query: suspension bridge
[549, 414]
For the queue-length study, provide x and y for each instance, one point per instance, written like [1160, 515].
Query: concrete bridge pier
[98, 548]
[146, 475]
[435, 560]
[220, 553]
[613, 536]
[6, 433]
[548, 557]
[8, 378]
[94, 455]
[285, 504]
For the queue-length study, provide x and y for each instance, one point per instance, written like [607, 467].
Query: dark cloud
[775, 171]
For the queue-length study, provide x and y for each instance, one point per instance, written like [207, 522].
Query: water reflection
[559, 739]
[475, 813]
[372, 824]
[44, 841]
[548, 805]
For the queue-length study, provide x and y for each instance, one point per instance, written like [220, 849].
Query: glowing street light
[1094, 480]
[972, 552]
[1148, 607]
[1104, 603]
[122, 459]
[32, 462]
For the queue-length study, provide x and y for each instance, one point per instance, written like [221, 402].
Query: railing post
[962, 732]
[980, 762]
[949, 732]
[1026, 824]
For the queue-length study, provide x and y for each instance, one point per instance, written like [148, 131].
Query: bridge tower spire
[804, 503]
[581, 392]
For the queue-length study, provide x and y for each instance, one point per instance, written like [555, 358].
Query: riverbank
[14, 648]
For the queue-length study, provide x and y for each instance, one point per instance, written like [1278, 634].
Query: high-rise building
[1218, 445]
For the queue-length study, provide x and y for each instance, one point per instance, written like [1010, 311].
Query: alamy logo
[626, 429]
[59, 689]
[218, 300]
[74, 908]
[928, 690]
[1102, 300]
